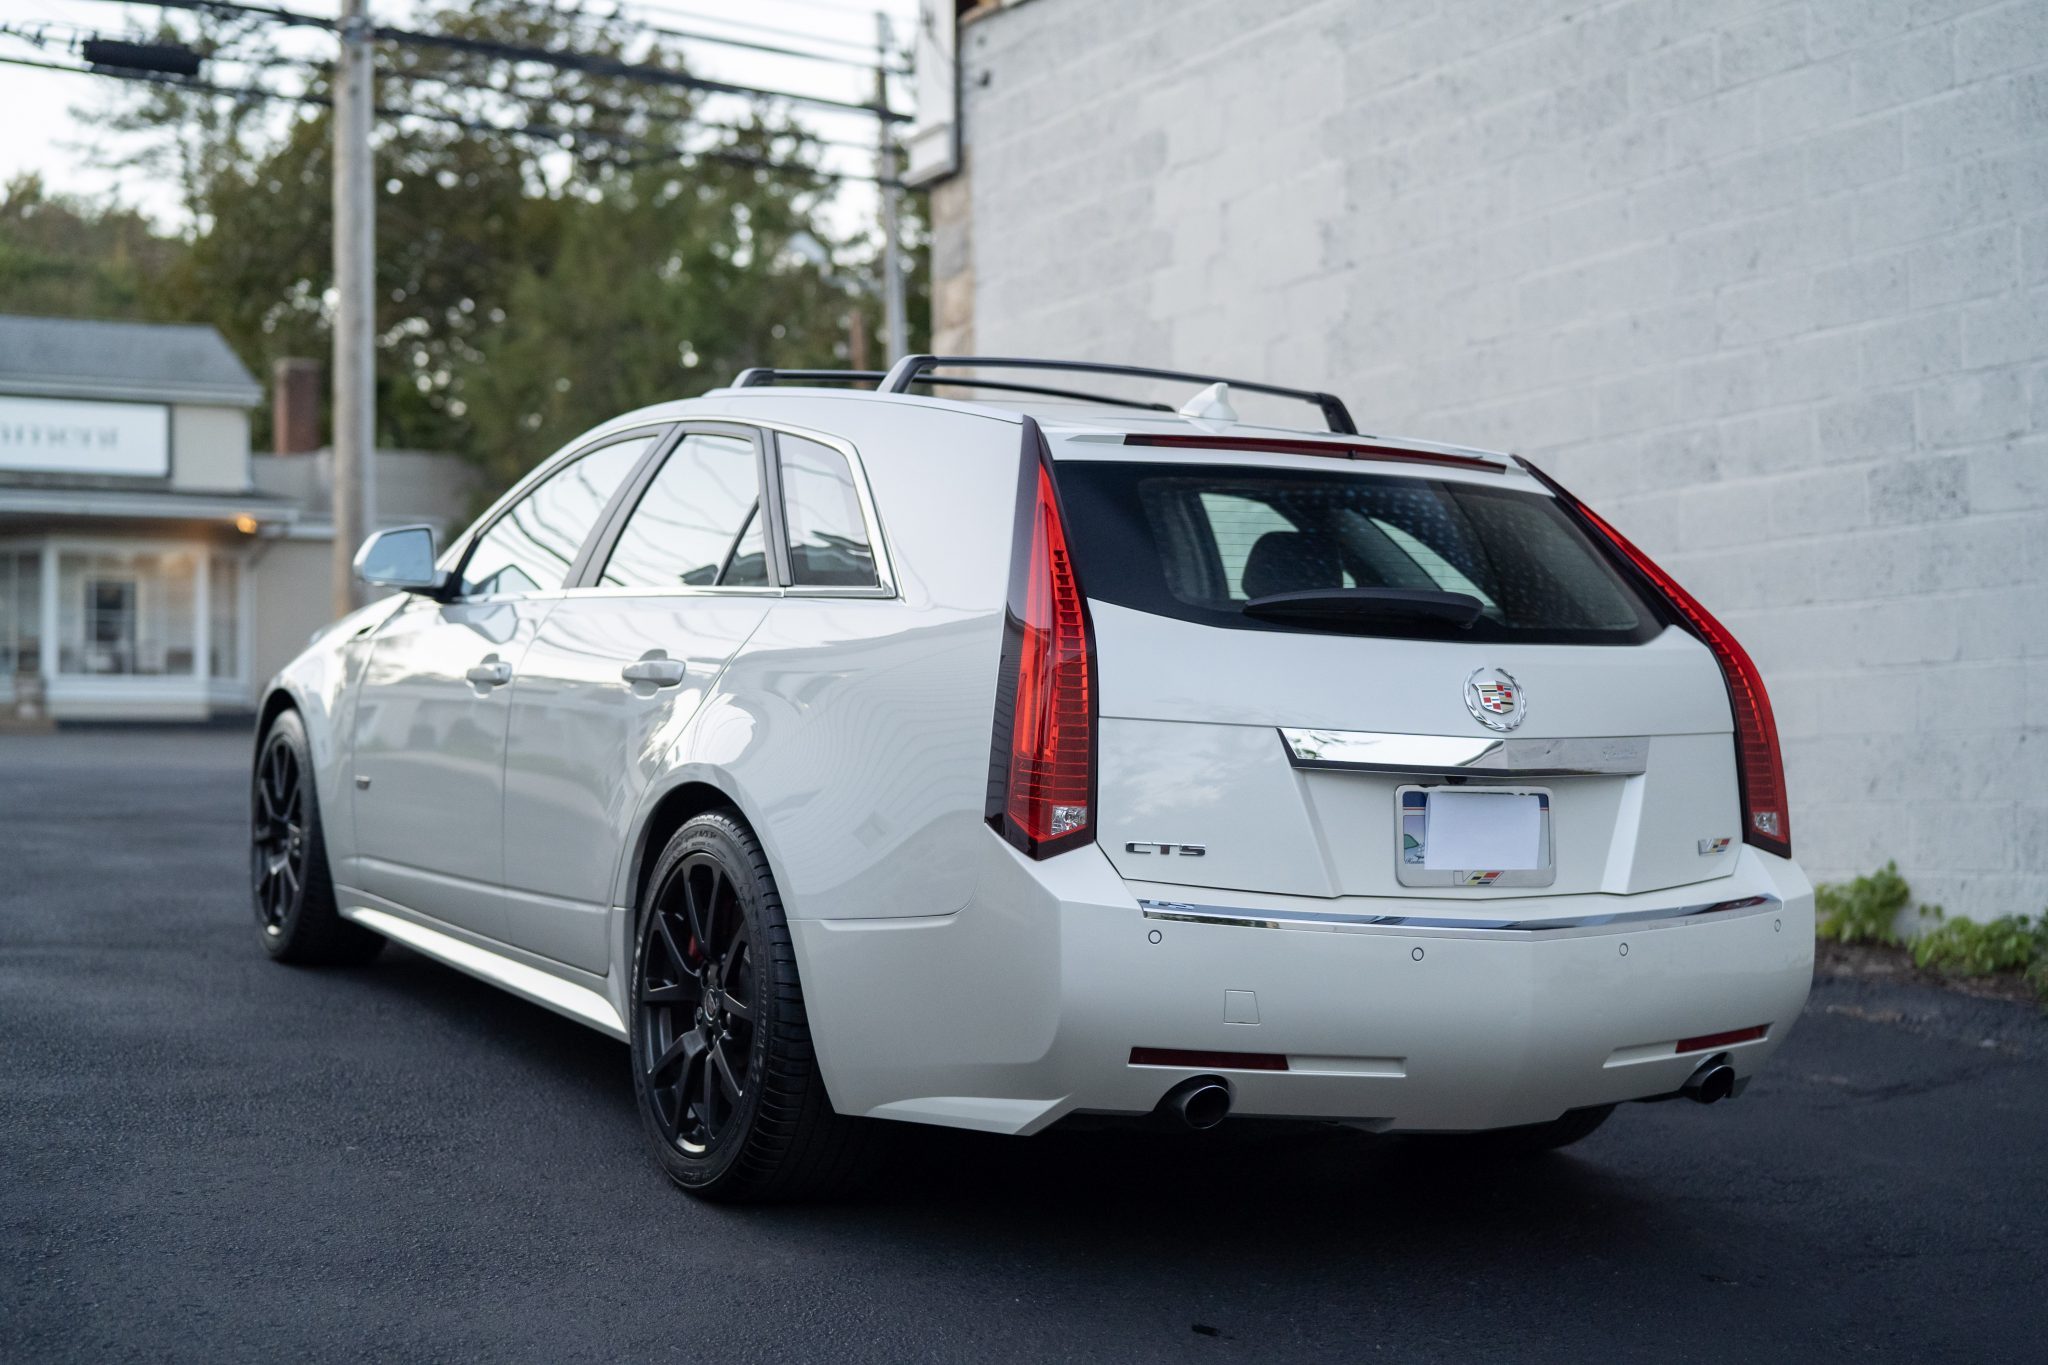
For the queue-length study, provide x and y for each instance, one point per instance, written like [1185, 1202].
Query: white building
[150, 566]
[1766, 281]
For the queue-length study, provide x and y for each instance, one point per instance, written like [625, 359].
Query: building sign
[59, 436]
[933, 143]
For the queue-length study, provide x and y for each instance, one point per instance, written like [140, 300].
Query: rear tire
[289, 883]
[1527, 1140]
[726, 1081]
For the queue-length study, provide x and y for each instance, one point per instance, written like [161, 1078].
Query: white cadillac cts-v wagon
[856, 754]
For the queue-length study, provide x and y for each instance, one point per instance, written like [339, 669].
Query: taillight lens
[1042, 788]
[1759, 766]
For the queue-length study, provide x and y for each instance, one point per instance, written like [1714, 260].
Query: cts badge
[1495, 699]
[1169, 850]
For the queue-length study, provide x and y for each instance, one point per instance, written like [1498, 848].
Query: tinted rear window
[1197, 542]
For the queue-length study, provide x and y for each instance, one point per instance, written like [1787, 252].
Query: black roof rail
[761, 376]
[915, 369]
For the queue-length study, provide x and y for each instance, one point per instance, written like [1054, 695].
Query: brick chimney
[295, 406]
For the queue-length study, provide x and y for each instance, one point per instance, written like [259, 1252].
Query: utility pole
[355, 309]
[896, 326]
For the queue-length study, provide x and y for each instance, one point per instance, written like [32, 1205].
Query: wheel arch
[670, 812]
[275, 702]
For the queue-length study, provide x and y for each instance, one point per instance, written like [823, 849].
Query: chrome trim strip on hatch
[1438, 926]
[1465, 755]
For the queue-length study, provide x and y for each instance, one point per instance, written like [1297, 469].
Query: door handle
[655, 668]
[492, 672]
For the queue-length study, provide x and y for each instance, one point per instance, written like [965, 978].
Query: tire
[1528, 1140]
[289, 883]
[726, 1082]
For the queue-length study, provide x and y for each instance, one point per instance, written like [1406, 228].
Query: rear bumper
[1024, 1006]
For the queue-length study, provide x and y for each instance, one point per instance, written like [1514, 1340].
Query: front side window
[828, 536]
[697, 524]
[532, 546]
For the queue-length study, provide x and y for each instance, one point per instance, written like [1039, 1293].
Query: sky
[40, 130]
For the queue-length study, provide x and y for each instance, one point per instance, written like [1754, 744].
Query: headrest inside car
[1291, 561]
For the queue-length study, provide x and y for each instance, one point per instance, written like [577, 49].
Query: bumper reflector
[1707, 1041]
[1208, 1061]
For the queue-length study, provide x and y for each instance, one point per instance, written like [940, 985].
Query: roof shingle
[138, 361]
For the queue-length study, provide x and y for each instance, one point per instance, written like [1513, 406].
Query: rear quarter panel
[853, 733]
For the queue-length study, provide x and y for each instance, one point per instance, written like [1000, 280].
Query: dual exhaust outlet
[1199, 1103]
[1713, 1080]
[1202, 1102]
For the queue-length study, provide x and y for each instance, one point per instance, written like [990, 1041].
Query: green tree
[63, 257]
[530, 284]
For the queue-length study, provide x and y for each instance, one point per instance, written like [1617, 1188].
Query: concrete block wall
[1766, 281]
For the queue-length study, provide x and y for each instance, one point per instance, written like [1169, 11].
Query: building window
[224, 614]
[21, 612]
[127, 613]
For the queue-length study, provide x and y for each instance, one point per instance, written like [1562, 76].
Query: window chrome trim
[456, 556]
[1464, 755]
[885, 572]
[1441, 926]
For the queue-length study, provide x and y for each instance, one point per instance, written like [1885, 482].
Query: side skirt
[566, 998]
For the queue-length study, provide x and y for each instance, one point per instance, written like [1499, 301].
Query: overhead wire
[548, 133]
[563, 58]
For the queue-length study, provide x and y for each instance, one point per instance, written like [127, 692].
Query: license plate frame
[1411, 821]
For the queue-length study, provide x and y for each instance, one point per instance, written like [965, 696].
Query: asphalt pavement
[206, 1156]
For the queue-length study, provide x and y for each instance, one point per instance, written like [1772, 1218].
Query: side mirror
[403, 558]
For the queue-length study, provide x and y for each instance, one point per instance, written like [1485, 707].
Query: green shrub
[1969, 948]
[1864, 910]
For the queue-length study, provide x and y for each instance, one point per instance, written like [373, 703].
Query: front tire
[289, 884]
[726, 1081]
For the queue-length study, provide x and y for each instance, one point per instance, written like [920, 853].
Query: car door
[616, 670]
[429, 738]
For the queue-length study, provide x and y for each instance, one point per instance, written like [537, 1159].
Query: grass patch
[1866, 909]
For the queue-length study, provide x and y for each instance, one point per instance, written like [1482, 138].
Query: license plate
[1473, 836]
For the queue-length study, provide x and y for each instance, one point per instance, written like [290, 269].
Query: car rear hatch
[1320, 676]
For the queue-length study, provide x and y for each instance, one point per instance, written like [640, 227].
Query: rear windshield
[1198, 542]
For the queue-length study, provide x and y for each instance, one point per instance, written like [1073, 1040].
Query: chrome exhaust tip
[1712, 1081]
[1199, 1103]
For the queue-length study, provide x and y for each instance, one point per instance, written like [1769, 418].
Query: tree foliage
[529, 284]
[63, 257]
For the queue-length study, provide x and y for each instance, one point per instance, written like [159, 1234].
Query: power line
[751, 45]
[696, 16]
[695, 120]
[562, 58]
[547, 133]
[37, 34]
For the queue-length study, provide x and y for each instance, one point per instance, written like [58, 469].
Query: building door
[110, 625]
[431, 712]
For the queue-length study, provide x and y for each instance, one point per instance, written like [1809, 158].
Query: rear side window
[531, 546]
[828, 536]
[697, 524]
[1199, 542]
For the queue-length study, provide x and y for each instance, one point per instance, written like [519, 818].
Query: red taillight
[1045, 763]
[1759, 766]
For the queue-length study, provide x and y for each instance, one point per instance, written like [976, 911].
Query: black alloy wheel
[697, 1005]
[289, 885]
[277, 853]
[726, 1081]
